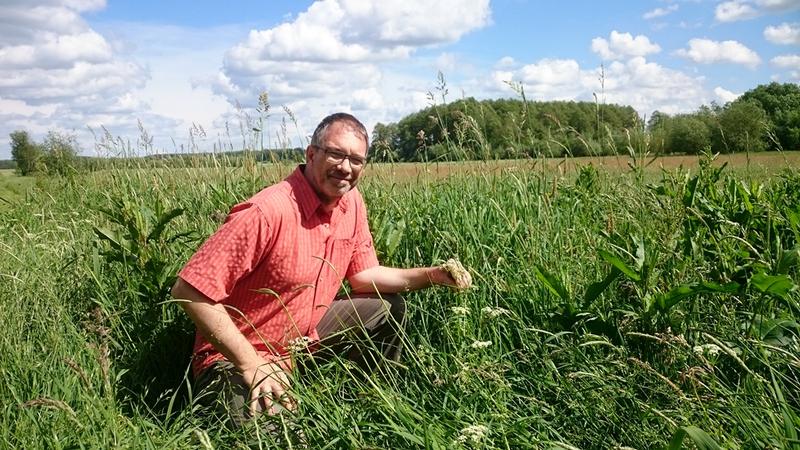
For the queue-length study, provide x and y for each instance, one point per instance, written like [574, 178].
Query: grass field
[610, 309]
[12, 187]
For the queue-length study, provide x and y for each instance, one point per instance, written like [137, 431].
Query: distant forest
[764, 118]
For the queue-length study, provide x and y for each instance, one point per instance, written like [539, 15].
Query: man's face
[329, 178]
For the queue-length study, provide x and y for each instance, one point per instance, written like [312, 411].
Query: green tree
[687, 134]
[781, 103]
[384, 142]
[743, 127]
[26, 153]
[60, 153]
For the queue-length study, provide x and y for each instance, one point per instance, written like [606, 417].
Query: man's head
[336, 156]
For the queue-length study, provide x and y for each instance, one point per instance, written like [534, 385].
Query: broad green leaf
[619, 264]
[772, 330]
[163, 221]
[691, 188]
[700, 438]
[788, 259]
[775, 285]
[639, 256]
[394, 237]
[745, 196]
[110, 237]
[552, 283]
[595, 289]
[676, 294]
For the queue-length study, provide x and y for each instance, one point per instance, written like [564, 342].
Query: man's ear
[309, 153]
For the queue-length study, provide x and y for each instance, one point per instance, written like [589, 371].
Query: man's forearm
[215, 324]
[392, 280]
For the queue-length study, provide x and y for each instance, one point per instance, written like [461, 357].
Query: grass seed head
[459, 274]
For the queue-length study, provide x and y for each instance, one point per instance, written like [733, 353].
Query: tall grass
[537, 355]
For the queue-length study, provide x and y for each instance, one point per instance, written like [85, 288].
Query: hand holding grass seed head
[458, 273]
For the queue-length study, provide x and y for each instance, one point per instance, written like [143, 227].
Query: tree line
[764, 118]
[56, 155]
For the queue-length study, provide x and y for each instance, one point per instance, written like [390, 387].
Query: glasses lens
[335, 157]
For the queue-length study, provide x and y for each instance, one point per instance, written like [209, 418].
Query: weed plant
[609, 310]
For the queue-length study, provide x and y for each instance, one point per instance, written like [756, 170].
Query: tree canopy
[764, 118]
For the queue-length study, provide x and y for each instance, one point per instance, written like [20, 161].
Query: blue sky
[180, 75]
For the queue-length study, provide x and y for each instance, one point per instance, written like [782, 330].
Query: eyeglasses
[337, 157]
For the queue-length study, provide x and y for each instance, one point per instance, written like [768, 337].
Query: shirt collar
[306, 197]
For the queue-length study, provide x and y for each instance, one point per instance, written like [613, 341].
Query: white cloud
[725, 95]
[778, 5]
[337, 52]
[505, 62]
[446, 63]
[785, 33]
[660, 12]
[786, 61]
[644, 85]
[622, 45]
[366, 99]
[57, 51]
[706, 51]
[734, 10]
[57, 73]
[547, 79]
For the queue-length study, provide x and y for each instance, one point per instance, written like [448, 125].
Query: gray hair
[320, 133]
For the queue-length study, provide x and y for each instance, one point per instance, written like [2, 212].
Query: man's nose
[349, 165]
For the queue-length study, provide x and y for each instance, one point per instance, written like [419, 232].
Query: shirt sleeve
[364, 256]
[230, 253]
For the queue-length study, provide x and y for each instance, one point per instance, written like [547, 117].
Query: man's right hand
[267, 382]
[269, 387]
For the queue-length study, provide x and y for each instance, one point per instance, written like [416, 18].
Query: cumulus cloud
[646, 86]
[725, 95]
[57, 73]
[335, 48]
[706, 51]
[786, 61]
[735, 10]
[623, 45]
[785, 33]
[660, 12]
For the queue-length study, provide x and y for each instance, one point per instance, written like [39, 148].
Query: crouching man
[268, 277]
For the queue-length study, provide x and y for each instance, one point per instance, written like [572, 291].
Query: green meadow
[636, 306]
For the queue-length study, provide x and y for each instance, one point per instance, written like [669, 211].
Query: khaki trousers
[363, 329]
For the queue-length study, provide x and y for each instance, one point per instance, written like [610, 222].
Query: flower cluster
[706, 349]
[473, 434]
[299, 344]
[481, 344]
[492, 313]
[460, 311]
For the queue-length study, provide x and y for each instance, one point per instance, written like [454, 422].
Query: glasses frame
[335, 156]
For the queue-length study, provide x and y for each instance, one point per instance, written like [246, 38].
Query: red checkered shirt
[277, 263]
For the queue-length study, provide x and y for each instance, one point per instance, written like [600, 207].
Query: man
[267, 278]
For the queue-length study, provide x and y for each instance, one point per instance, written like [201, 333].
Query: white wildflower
[473, 434]
[299, 344]
[707, 349]
[492, 313]
[460, 311]
[481, 344]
